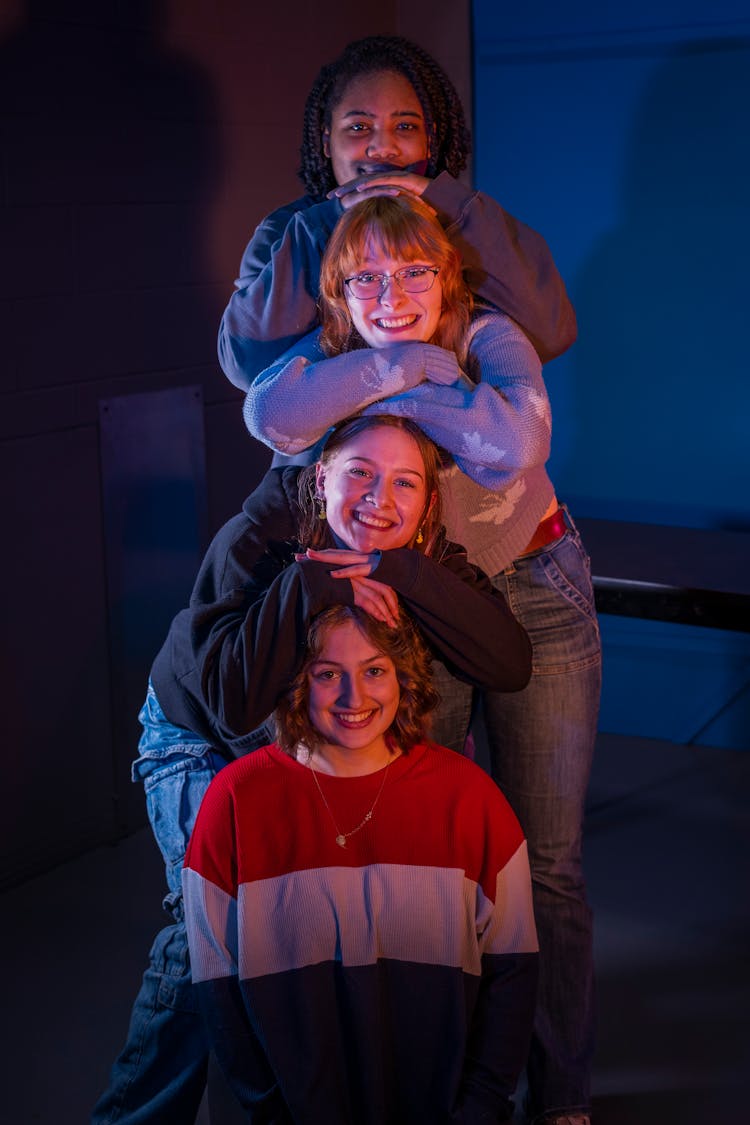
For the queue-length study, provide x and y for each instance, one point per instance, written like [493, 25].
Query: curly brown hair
[403, 645]
[404, 228]
[314, 532]
[450, 143]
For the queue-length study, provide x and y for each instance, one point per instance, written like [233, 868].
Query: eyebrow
[396, 469]
[362, 663]
[395, 113]
[408, 264]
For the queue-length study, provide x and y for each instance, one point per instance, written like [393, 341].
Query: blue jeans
[541, 743]
[160, 1074]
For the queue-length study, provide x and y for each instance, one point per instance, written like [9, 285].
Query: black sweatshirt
[240, 643]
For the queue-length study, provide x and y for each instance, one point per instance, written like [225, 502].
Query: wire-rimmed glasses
[410, 279]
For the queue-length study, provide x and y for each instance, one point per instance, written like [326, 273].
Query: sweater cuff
[440, 365]
[398, 568]
[448, 196]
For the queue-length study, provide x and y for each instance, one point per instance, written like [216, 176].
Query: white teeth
[354, 717]
[396, 321]
[372, 521]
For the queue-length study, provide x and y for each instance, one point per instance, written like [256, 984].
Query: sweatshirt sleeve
[267, 524]
[503, 1016]
[275, 296]
[235, 656]
[466, 622]
[506, 263]
[295, 401]
[497, 424]
[210, 897]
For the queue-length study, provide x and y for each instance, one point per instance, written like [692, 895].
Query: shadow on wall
[662, 303]
[110, 160]
[112, 154]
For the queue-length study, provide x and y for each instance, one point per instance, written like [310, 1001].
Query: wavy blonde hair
[312, 532]
[400, 227]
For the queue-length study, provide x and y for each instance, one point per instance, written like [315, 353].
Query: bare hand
[351, 564]
[380, 183]
[377, 599]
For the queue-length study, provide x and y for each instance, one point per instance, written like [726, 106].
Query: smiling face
[353, 694]
[374, 489]
[378, 120]
[394, 316]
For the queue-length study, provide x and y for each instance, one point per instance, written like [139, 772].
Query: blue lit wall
[624, 138]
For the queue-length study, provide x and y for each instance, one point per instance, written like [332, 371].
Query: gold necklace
[342, 837]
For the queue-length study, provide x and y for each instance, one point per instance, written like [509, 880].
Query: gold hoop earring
[420, 535]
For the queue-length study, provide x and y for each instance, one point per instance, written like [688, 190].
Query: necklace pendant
[341, 841]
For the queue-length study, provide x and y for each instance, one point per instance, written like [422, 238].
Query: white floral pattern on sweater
[494, 420]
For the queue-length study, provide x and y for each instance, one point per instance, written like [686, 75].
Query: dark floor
[668, 860]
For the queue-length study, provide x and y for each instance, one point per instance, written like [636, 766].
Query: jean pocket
[179, 995]
[567, 570]
[173, 796]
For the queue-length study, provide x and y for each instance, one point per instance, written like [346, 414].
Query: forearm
[479, 428]
[499, 1037]
[238, 1050]
[212, 928]
[503, 1014]
[506, 263]
[294, 403]
[464, 619]
[244, 651]
[269, 517]
[275, 299]
[497, 423]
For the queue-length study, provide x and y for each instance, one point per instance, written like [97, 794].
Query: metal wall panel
[154, 516]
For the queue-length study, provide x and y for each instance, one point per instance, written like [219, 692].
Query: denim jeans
[160, 1074]
[541, 743]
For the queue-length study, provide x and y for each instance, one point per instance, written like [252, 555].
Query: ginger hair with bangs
[411, 659]
[400, 227]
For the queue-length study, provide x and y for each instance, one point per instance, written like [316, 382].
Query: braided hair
[450, 141]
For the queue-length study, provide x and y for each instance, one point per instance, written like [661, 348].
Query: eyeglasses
[410, 279]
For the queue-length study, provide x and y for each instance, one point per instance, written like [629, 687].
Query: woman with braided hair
[384, 118]
[440, 104]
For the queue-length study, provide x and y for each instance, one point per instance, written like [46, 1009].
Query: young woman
[384, 117]
[358, 904]
[396, 337]
[370, 514]
[361, 526]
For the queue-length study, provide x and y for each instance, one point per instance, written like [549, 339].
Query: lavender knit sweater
[493, 418]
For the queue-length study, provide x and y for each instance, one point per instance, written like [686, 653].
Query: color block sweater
[388, 982]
